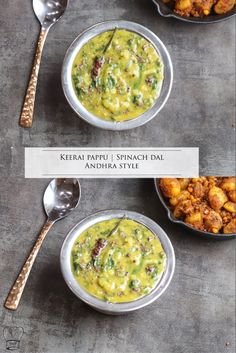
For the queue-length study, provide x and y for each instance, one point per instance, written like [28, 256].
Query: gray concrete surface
[200, 111]
[195, 315]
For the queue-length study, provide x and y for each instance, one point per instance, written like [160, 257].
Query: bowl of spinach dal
[117, 261]
[117, 75]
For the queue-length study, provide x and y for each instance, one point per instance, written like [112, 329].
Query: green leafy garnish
[109, 264]
[137, 99]
[154, 83]
[134, 284]
[111, 82]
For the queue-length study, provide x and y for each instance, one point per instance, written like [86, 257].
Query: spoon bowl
[61, 197]
[49, 12]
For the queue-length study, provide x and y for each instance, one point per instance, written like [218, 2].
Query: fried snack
[200, 8]
[195, 219]
[230, 227]
[183, 183]
[183, 7]
[217, 198]
[170, 187]
[183, 195]
[228, 184]
[206, 203]
[198, 190]
[230, 207]
[223, 6]
[232, 195]
[213, 222]
[183, 208]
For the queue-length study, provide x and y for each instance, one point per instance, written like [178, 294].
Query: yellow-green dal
[118, 260]
[117, 75]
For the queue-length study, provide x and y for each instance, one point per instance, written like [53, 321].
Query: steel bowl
[166, 11]
[100, 305]
[82, 39]
[208, 235]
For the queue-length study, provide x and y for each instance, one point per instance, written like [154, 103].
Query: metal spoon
[48, 12]
[60, 198]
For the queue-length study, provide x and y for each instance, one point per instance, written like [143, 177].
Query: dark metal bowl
[218, 236]
[165, 11]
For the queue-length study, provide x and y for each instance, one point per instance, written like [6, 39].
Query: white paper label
[111, 162]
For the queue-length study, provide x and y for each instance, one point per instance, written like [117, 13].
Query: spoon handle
[17, 289]
[27, 113]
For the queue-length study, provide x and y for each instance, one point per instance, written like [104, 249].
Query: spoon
[48, 13]
[60, 198]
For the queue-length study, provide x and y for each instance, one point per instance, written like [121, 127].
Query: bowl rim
[98, 304]
[83, 38]
[165, 11]
[219, 236]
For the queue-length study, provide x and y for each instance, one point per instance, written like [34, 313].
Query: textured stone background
[200, 111]
[195, 315]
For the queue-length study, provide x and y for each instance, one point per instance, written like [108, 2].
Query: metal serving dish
[82, 39]
[116, 308]
[218, 236]
[165, 11]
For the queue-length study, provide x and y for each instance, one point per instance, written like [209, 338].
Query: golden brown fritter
[230, 227]
[170, 187]
[223, 6]
[217, 198]
[232, 195]
[195, 219]
[183, 195]
[228, 184]
[201, 8]
[213, 222]
[182, 208]
[183, 183]
[230, 207]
